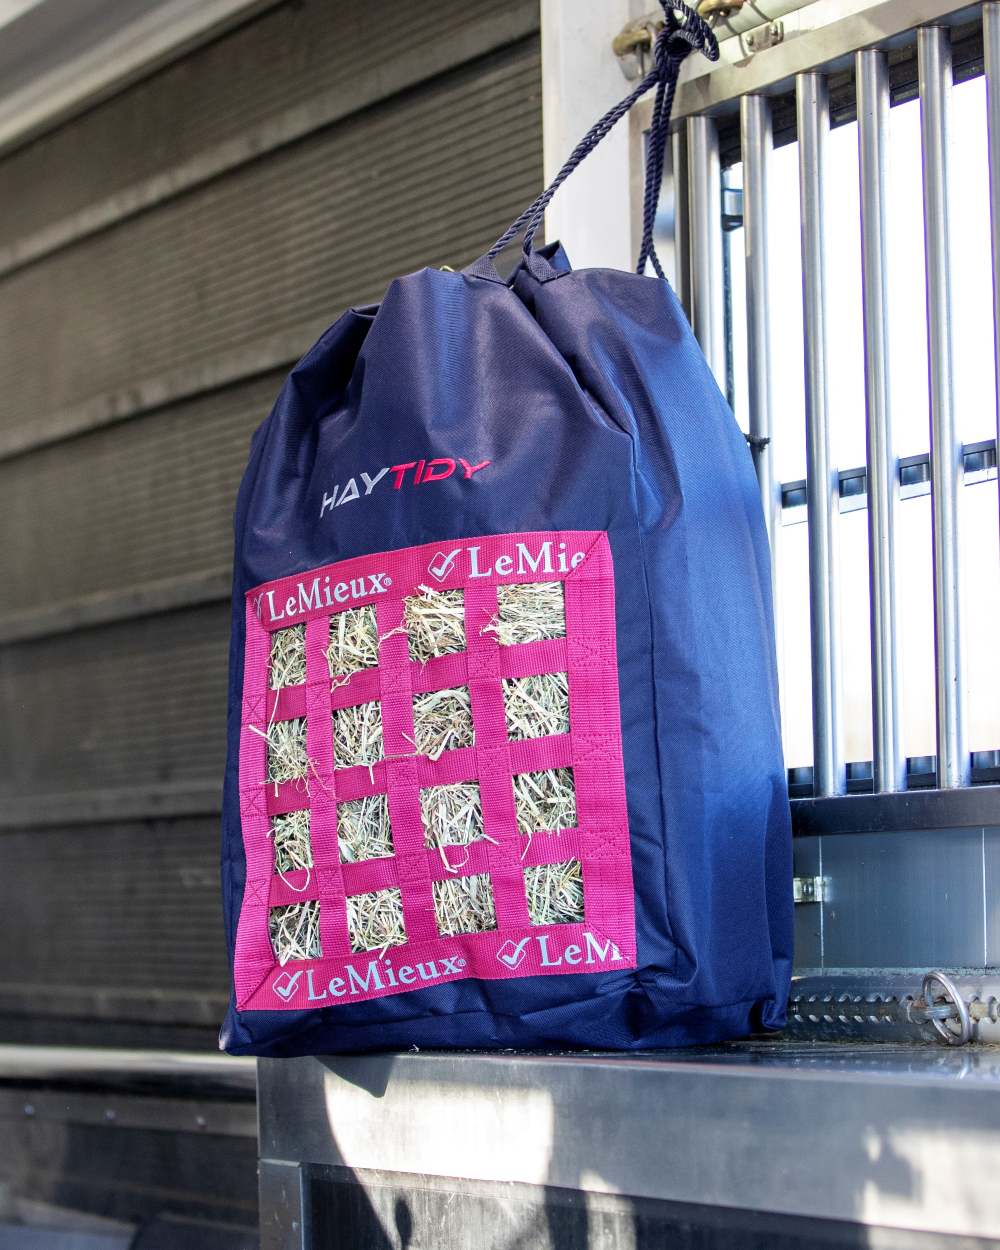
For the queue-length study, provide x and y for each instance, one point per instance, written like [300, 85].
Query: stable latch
[810, 889]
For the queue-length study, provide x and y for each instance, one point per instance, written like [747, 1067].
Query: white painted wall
[594, 213]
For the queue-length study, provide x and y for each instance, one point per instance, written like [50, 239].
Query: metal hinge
[810, 889]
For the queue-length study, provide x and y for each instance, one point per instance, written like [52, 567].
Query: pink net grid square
[599, 841]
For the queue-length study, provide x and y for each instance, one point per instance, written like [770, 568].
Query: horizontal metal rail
[181, 1070]
[824, 35]
[912, 471]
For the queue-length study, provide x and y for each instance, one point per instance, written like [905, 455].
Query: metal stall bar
[934, 74]
[682, 243]
[991, 59]
[872, 88]
[813, 120]
[704, 232]
[756, 142]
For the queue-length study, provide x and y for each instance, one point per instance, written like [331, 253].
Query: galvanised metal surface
[916, 899]
[822, 35]
[900, 1138]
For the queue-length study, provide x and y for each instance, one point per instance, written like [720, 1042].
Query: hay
[464, 905]
[545, 800]
[452, 816]
[537, 706]
[292, 847]
[375, 920]
[435, 623]
[295, 931]
[353, 641]
[288, 657]
[442, 721]
[528, 612]
[357, 735]
[363, 830]
[287, 757]
[554, 892]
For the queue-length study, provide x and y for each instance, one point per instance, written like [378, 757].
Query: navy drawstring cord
[683, 31]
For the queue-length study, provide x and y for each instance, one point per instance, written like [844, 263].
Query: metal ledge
[902, 1137]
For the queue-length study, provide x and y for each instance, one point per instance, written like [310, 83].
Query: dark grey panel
[133, 1175]
[904, 900]
[807, 859]
[138, 704]
[120, 910]
[381, 1211]
[146, 500]
[429, 178]
[991, 854]
[280, 60]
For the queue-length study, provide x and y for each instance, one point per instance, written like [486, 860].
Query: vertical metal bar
[872, 87]
[813, 119]
[991, 57]
[705, 236]
[756, 142]
[934, 74]
[682, 243]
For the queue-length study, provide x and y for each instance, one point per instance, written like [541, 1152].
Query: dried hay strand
[353, 641]
[464, 905]
[375, 920]
[287, 758]
[537, 706]
[554, 892]
[295, 931]
[452, 816]
[292, 846]
[442, 721]
[363, 830]
[545, 800]
[528, 612]
[288, 657]
[435, 623]
[357, 735]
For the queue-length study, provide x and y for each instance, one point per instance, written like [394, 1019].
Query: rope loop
[683, 31]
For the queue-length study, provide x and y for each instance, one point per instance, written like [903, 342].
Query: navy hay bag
[504, 760]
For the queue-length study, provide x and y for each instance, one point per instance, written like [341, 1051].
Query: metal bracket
[634, 42]
[763, 37]
[810, 889]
